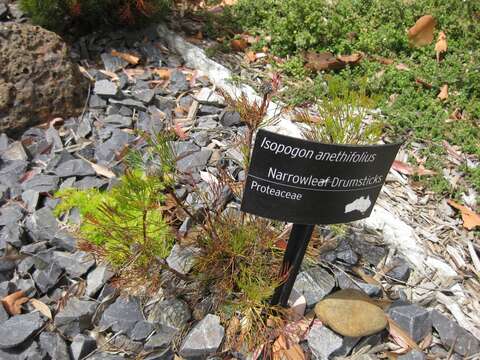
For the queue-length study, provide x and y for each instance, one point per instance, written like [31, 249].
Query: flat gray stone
[77, 167]
[194, 161]
[29, 350]
[314, 284]
[19, 328]
[178, 82]
[400, 270]
[76, 264]
[415, 320]
[142, 330]
[204, 339]
[12, 234]
[131, 103]
[41, 183]
[30, 198]
[118, 121]
[344, 282]
[96, 279]
[144, 95]
[105, 88]
[3, 314]
[54, 345]
[113, 63]
[82, 345]
[162, 338]
[47, 278]
[230, 118]
[10, 214]
[451, 334]
[413, 355]
[96, 102]
[181, 258]
[173, 313]
[14, 151]
[75, 317]
[41, 225]
[122, 315]
[323, 342]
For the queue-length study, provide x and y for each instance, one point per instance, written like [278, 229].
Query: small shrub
[61, 15]
[239, 266]
[125, 223]
[342, 116]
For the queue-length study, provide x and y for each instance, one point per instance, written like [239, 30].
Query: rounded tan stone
[350, 312]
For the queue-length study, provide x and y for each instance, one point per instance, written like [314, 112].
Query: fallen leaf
[423, 83]
[352, 59]
[86, 73]
[281, 350]
[43, 308]
[421, 33]
[103, 171]
[178, 130]
[441, 45]
[402, 67]
[13, 302]
[162, 73]
[406, 169]
[471, 220]
[443, 94]
[281, 244]
[250, 56]
[132, 59]
[350, 312]
[384, 60]
[400, 336]
[327, 61]
[238, 44]
[322, 61]
[110, 74]
[456, 115]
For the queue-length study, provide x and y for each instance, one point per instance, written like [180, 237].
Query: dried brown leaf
[383, 60]
[103, 171]
[282, 351]
[322, 61]
[132, 59]
[406, 169]
[13, 302]
[178, 130]
[325, 61]
[402, 67]
[352, 59]
[423, 83]
[443, 94]
[250, 56]
[421, 33]
[238, 44]
[162, 73]
[43, 308]
[441, 46]
[471, 219]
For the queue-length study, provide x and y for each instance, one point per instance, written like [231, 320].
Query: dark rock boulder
[38, 81]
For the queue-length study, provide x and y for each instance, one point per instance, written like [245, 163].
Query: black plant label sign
[306, 182]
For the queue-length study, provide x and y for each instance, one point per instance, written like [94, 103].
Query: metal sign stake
[292, 260]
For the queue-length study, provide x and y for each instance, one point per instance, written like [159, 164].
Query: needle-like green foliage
[125, 222]
[342, 117]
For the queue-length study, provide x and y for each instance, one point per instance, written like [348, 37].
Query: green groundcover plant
[376, 28]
